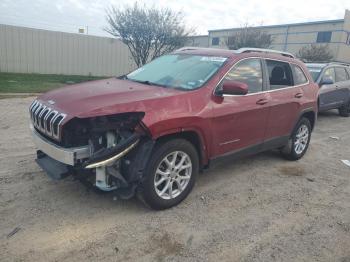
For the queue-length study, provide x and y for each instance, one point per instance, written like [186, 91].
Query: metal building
[29, 50]
[292, 37]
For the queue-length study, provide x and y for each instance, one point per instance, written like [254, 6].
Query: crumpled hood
[106, 97]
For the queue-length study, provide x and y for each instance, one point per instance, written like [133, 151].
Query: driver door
[328, 98]
[239, 121]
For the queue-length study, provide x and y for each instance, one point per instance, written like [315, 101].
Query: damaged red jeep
[150, 132]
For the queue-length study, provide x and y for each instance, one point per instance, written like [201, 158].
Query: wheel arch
[310, 115]
[192, 136]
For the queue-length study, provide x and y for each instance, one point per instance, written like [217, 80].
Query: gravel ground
[261, 208]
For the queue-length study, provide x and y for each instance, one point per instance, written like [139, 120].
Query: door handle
[298, 95]
[262, 101]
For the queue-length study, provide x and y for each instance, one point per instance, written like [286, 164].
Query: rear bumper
[68, 156]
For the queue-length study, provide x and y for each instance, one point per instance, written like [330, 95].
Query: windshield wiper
[145, 82]
[122, 77]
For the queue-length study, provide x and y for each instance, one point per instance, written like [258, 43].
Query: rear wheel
[345, 110]
[170, 175]
[299, 141]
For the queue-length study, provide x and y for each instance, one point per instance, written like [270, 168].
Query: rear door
[328, 94]
[239, 121]
[284, 100]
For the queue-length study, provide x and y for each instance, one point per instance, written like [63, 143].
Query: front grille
[47, 120]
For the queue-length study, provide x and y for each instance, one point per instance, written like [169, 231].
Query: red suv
[150, 132]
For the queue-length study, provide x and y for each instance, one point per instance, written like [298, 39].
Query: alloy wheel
[173, 175]
[301, 139]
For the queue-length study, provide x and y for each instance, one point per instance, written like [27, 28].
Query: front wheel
[345, 110]
[170, 174]
[299, 141]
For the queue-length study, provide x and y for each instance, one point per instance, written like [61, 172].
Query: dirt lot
[261, 208]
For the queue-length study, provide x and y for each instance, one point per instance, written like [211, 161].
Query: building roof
[285, 25]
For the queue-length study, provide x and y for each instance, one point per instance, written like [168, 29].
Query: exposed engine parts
[112, 152]
[103, 161]
[116, 148]
[78, 132]
[111, 139]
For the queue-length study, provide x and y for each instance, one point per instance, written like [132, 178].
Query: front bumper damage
[68, 156]
[54, 169]
[98, 168]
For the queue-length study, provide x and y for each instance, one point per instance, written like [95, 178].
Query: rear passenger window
[249, 72]
[298, 75]
[329, 74]
[280, 74]
[341, 74]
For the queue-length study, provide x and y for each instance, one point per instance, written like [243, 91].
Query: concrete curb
[17, 95]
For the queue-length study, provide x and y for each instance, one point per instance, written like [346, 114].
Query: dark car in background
[334, 82]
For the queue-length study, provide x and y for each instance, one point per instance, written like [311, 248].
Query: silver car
[334, 82]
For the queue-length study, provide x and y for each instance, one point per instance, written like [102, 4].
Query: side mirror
[326, 81]
[231, 87]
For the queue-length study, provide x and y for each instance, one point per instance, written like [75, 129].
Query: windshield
[178, 71]
[315, 72]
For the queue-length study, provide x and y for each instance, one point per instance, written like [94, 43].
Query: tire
[345, 110]
[161, 170]
[297, 147]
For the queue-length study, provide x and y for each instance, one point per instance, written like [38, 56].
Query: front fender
[196, 125]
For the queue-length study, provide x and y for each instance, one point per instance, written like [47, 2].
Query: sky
[201, 15]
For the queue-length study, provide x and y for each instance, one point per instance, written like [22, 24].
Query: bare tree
[148, 32]
[249, 36]
[315, 53]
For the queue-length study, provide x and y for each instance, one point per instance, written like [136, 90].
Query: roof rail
[339, 63]
[186, 48]
[315, 62]
[261, 50]
[326, 63]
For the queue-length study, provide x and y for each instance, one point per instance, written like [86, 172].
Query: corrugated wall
[27, 50]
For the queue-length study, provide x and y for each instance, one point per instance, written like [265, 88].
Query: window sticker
[214, 59]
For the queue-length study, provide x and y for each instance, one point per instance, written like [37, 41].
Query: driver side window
[248, 71]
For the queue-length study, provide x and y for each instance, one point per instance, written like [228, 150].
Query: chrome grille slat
[31, 108]
[32, 105]
[57, 134]
[36, 114]
[46, 119]
[47, 123]
[51, 123]
[34, 110]
[41, 115]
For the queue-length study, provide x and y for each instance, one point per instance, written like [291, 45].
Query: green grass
[37, 83]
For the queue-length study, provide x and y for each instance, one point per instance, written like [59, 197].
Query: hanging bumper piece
[107, 156]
